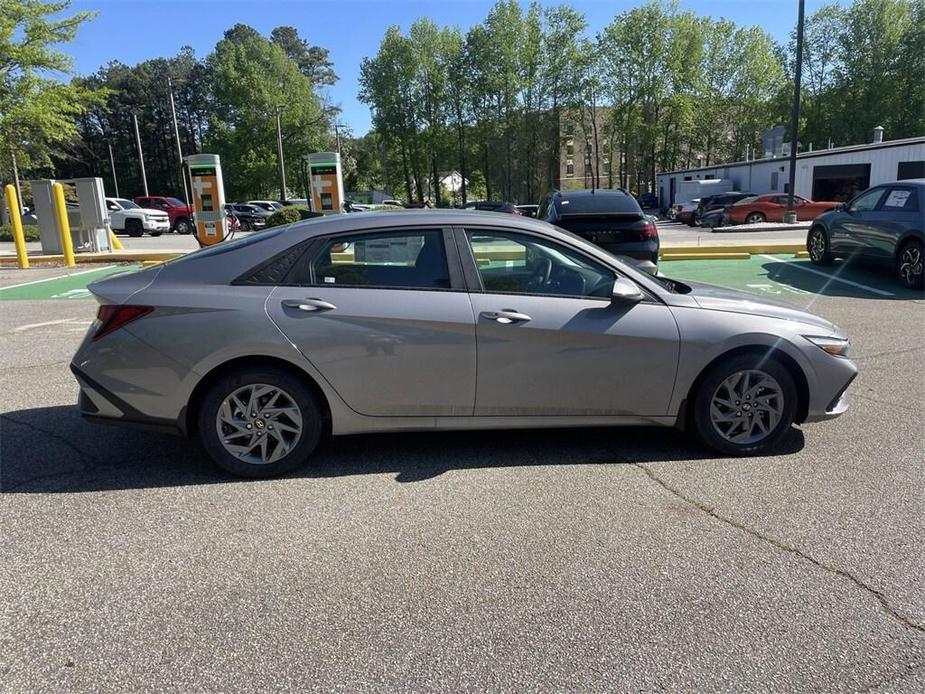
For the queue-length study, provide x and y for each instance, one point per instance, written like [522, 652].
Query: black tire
[755, 218]
[155, 234]
[182, 226]
[133, 228]
[817, 245]
[909, 264]
[300, 394]
[708, 433]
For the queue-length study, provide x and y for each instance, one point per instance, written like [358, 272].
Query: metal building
[826, 174]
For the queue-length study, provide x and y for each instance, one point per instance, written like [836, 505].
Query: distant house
[451, 183]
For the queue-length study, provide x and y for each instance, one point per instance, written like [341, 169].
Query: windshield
[127, 204]
[746, 201]
[174, 202]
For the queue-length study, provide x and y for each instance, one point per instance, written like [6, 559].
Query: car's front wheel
[745, 405]
[909, 264]
[133, 228]
[817, 245]
[259, 422]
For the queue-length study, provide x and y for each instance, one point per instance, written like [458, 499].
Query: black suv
[720, 201]
[611, 219]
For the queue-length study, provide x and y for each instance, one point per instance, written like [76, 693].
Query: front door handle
[311, 305]
[506, 316]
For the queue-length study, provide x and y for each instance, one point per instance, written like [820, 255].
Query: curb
[116, 257]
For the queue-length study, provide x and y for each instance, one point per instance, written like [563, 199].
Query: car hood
[715, 298]
[155, 213]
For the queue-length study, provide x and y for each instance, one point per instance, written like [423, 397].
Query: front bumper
[835, 404]
[156, 225]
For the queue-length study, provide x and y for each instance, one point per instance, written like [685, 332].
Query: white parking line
[833, 278]
[63, 321]
[56, 277]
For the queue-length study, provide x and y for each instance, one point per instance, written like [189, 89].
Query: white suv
[125, 217]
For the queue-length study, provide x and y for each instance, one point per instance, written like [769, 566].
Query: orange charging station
[327, 182]
[208, 193]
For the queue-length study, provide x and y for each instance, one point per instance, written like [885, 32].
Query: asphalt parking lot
[579, 560]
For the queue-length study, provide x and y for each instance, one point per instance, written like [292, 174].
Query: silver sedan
[442, 320]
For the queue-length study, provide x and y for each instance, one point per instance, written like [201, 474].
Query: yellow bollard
[16, 220]
[64, 226]
[114, 240]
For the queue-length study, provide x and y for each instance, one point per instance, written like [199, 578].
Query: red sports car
[771, 208]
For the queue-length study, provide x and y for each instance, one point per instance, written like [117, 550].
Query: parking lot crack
[884, 603]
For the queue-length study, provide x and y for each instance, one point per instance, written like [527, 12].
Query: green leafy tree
[38, 111]
[313, 61]
[250, 79]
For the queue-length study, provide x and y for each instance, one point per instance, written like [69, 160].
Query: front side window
[407, 259]
[522, 264]
[868, 201]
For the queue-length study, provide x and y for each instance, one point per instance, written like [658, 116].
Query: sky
[131, 31]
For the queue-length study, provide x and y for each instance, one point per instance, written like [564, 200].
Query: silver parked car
[441, 320]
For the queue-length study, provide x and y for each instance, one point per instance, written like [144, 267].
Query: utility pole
[176, 133]
[791, 214]
[112, 166]
[279, 154]
[141, 156]
[337, 136]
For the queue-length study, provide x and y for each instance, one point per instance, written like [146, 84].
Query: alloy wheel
[817, 245]
[259, 423]
[747, 407]
[910, 265]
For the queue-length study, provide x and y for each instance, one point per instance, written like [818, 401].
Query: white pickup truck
[125, 217]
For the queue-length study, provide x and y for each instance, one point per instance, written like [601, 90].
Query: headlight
[833, 345]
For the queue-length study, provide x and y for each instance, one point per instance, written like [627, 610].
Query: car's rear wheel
[755, 218]
[745, 405]
[909, 264]
[259, 422]
[182, 226]
[817, 245]
[133, 228]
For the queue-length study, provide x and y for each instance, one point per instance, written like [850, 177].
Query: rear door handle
[311, 305]
[506, 316]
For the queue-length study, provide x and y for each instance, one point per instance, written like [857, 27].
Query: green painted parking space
[68, 285]
[783, 276]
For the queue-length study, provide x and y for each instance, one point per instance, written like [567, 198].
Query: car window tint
[409, 259]
[522, 264]
[901, 199]
[867, 201]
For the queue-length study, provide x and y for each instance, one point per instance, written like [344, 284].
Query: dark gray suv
[886, 222]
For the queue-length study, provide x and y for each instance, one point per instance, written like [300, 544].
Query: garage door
[840, 182]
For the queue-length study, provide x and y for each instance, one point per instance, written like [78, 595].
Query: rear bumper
[641, 250]
[96, 403]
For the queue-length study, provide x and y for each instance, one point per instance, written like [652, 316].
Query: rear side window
[901, 199]
[604, 203]
[401, 260]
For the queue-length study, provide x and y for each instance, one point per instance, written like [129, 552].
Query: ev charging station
[208, 197]
[326, 182]
[89, 223]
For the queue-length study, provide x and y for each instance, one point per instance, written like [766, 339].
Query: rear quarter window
[901, 199]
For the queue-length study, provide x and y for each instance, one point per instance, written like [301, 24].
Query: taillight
[114, 316]
[650, 231]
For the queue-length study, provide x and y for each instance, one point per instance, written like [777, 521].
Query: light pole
[141, 156]
[791, 216]
[279, 154]
[176, 133]
[112, 166]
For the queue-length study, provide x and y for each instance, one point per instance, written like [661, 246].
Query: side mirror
[626, 291]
